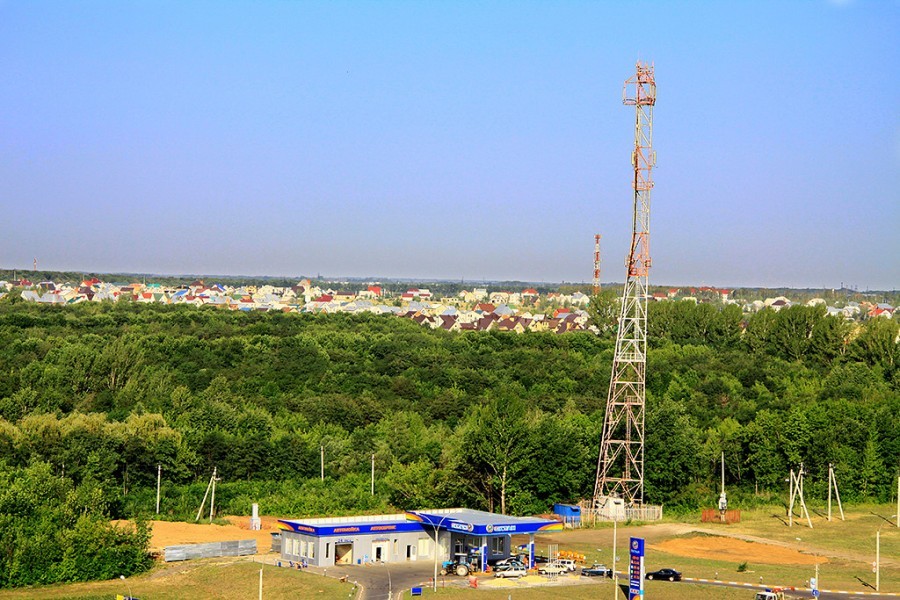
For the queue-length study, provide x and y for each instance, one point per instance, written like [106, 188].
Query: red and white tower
[596, 264]
[620, 468]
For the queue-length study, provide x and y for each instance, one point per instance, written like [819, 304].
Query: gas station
[459, 535]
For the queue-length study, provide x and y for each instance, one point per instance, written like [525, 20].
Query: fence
[647, 512]
[211, 550]
[712, 515]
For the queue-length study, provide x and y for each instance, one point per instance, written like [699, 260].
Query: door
[380, 551]
[343, 554]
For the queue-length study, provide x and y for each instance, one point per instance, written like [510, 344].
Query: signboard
[636, 569]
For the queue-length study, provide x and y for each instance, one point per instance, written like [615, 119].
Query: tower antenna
[620, 468]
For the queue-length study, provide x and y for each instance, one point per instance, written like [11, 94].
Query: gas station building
[462, 534]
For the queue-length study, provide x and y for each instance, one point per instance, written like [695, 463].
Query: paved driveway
[382, 581]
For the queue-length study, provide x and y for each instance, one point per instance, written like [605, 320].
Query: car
[670, 574]
[567, 563]
[507, 565]
[510, 560]
[553, 568]
[596, 570]
[512, 571]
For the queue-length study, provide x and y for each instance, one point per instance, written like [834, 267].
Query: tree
[871, 468]
[494, 440]
[604, 311]
[877, 343]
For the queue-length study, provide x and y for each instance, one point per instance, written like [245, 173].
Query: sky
[451, 140]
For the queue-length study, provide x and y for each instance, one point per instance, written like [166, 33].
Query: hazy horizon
[211, 277]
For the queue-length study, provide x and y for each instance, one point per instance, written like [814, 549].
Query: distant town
[465, 309]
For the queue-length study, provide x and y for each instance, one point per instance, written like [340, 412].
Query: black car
[670, 574]
[596, 570]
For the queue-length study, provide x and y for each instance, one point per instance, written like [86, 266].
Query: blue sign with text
[636, 569]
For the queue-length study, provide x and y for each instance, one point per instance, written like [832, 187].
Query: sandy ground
[723, 548]
[692, 543]
[172, 533]
[712, 547]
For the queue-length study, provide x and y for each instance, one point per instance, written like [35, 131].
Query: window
[497, 545]
[312, 549]
[327, 549]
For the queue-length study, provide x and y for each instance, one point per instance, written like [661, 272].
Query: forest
[93, 397]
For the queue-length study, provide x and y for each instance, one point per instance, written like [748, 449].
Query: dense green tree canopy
[98, 395]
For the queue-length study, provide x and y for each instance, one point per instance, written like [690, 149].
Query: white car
[513, 571]
[553, 568]
[568, 563]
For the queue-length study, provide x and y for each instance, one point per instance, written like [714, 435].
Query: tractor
[461, 568]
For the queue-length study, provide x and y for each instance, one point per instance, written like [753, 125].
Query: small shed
[570, 514]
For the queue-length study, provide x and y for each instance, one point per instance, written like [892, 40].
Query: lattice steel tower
[596, 264]
[620, 468]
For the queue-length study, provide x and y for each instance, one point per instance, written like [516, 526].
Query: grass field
[844, 550]
[655, 589]
[773, 553]
[205, 579]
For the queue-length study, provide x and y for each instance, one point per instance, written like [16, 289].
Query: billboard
[636, 569]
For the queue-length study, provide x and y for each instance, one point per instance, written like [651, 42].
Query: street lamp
[878, 559]
[615, 573]
[441, 522]
[130, 596]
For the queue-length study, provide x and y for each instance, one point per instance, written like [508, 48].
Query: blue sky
[451, 139]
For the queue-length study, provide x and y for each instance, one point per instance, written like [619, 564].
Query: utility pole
[832, 481]
[878, 559]
[322, 461]
[791, 501]
[212, 500]
[158, 479]
[723, 471]
[802, 500]
[614, 572]
[797, 492]
[723, 499]
[830, 473]
[205, 494]
[373, 474]
[260, 583]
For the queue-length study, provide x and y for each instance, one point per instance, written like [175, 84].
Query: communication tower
[596, 264]
[620, 468]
